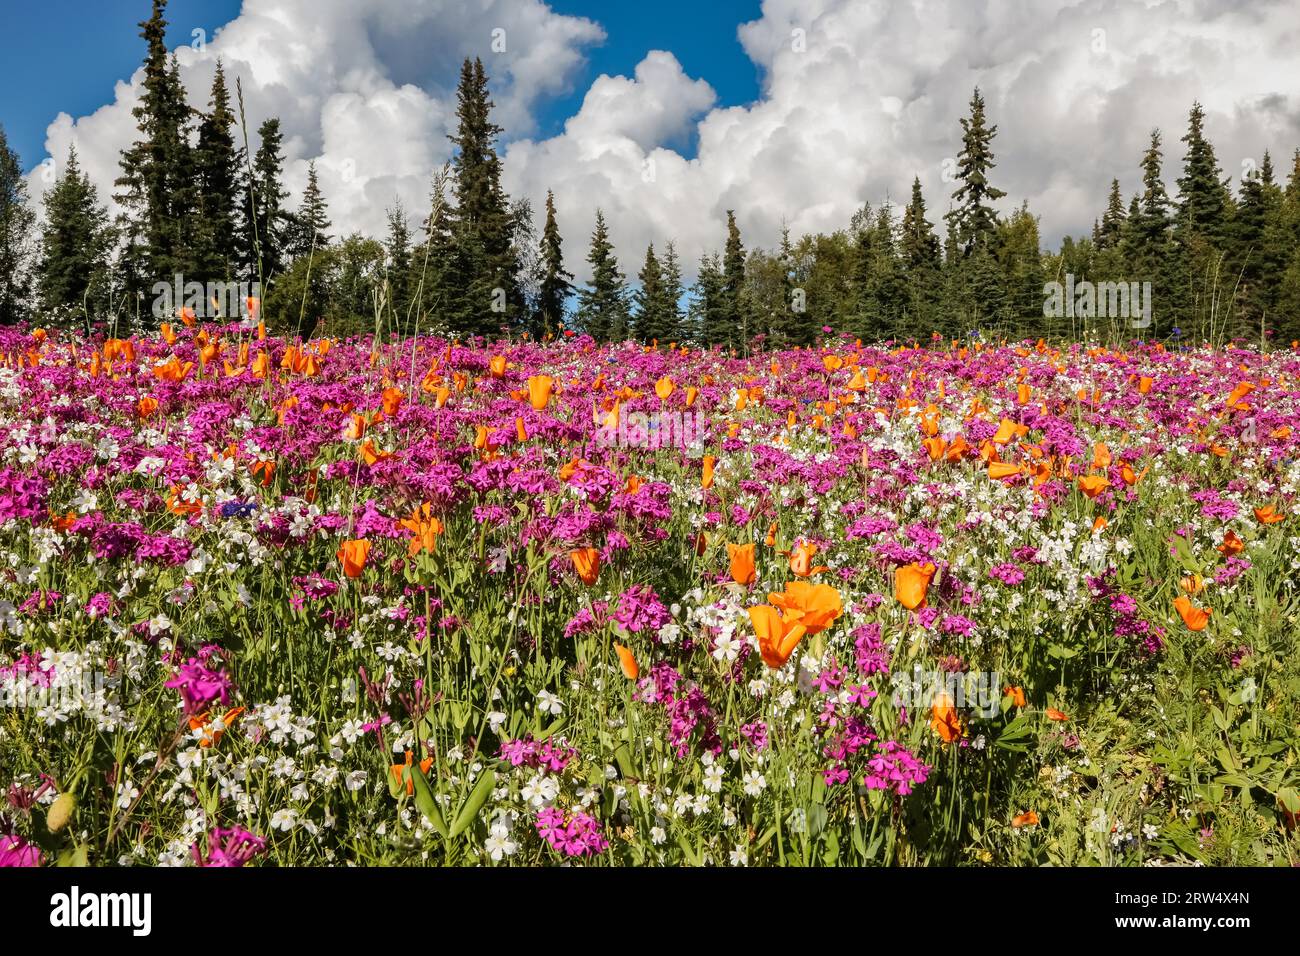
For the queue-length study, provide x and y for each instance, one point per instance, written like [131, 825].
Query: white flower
[740, 855]
[713, 779]
[1149, 831]
[548, 703]
[355, 780]
[159, 625]
[498, 843]
[726, 647]
[657, 835]
[496, 720]
[754, 783]
[126, 794]
[284, 820]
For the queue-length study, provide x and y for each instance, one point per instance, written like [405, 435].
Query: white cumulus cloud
[857, 97]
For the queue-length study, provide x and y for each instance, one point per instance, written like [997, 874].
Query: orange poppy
[586, 561]
[1007, 430]
[392, 398]
[1017, 695]
[497, 366]
[210, 733]
[1101, 457]
[706, 476]
[945, 721]
[424, 527]
[539, 391]
[1093, 485]
[1196, 618]
[172, 370]
[627, 660]
[1029, 819]
[778, 635]
[742, 563]
[1192, 584]
[353, 555]
[770, 539]
[815, 606]
[934, 447]
[912, 583]
[801, 560]
[1054, 714]
[146, 406]
[1002, 469]
[664, 388]
[1231, 545]
[399, 768]
[1268, 515]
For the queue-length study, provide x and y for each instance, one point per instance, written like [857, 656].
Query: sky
[666, 115]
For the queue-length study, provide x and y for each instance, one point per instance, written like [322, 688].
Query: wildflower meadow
[408, 600]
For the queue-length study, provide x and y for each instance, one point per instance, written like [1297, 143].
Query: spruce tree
[602, 308]
[976, 220]
[706, 307]
[216, 163]
[649, 321]
[922, 263]
[268, 222]
[1150, 243]
[557, 282]
[158, 190]
[309, 228]
[672, 292]
[1112, 222]
[1257, 256]
[731, 327]
[485, 295]
[397, 263]
[76, 241]
[15, 236]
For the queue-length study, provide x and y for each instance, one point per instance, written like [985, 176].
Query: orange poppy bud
[586, 561]
[1001, 469]
[627, 661]
[912, 584]
[801, 560]
[706, 476]
[539, 391]
[770, 539]
[742, 563]
[497, 366]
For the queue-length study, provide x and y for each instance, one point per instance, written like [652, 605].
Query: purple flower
[199, 685]
[15, 851]
[229, 848]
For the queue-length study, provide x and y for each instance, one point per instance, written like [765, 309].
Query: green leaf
[1290, 799]
[478, 796]
[424, 798]
[78, 855]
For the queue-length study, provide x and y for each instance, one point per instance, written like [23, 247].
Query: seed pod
[60, 812]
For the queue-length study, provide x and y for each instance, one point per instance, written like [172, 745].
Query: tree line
[198, 201]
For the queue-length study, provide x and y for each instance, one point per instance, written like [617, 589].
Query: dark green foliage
[15, 236]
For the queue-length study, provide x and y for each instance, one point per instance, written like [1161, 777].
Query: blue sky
[71, 52]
